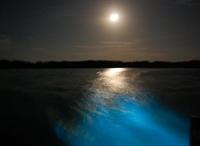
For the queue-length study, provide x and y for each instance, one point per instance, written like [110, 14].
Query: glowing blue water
[130, 124]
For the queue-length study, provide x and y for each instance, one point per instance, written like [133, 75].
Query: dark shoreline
[6, 64]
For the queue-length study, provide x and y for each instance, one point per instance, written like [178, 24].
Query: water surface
[99, 107]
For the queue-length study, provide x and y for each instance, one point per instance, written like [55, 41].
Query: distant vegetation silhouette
[99, 64]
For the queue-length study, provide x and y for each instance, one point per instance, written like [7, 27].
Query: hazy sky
[80, 30]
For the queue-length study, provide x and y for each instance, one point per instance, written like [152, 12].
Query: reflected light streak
[113, 72]
[111, 117]
[112, 81]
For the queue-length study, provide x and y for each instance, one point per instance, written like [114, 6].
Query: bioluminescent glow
[123, 120]
[132, 125]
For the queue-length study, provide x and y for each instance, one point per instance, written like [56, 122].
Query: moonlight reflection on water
[111, 81]
[111, 115]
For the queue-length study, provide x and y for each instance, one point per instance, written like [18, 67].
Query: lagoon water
[98, 107]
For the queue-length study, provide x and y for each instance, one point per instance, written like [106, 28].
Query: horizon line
[98, 60]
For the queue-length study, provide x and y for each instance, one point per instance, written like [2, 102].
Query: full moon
[114, 17]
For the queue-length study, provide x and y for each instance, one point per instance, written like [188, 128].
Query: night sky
[42, 30]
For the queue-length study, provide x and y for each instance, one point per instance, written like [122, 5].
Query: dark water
[98, 107]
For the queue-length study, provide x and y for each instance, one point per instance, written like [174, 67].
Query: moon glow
[114, 17]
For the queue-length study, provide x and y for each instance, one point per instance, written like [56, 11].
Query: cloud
[118, 43]
[109, 45]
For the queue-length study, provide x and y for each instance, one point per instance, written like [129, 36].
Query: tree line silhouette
[98, 64]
